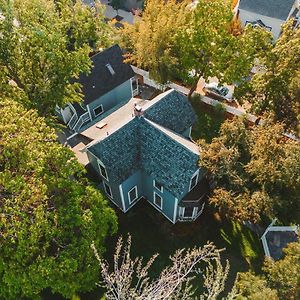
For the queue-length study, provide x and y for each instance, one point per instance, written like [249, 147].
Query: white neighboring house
[269, 14]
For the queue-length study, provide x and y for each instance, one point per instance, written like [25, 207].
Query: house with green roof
[143, 152]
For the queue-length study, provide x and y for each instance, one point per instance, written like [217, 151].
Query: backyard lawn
[152, 233]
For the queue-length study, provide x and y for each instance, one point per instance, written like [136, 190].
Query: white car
[218, 91]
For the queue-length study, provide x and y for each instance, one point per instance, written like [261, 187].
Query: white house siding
[251, 17]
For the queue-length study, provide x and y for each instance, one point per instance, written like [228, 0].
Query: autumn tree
[49, 214]
[43, 44]
[152, 39]
[276, 87]
[256, 170]
[128, 278]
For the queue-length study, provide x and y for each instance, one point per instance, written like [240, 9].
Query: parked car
[217, 91]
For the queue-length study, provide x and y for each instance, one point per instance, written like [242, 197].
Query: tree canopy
[276, 87]
[180, 40]
[151, 41]
[279, 280]
[44, 44]
[256, 170]
[49, 214]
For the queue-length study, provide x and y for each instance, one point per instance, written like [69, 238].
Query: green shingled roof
[139, 145]
[173, 112]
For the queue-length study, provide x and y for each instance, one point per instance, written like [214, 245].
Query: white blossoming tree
[129, 278]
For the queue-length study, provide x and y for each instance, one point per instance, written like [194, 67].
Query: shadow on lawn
[152, 233]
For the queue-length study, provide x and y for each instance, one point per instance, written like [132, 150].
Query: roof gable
[120, 152]
[173, 112]
[166, 160]
[108, 72]
[278, 9]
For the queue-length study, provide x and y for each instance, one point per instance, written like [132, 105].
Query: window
[158, 186]
[158, 200]
[132, 194]
[98, 110]
[188, 212]
[194, 181]
[102, 170]
[107, 189]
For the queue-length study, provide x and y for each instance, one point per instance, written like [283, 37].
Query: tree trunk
[192, 90]
[194, 86]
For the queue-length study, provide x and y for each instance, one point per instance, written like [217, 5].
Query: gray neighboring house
[110, 84]
[269, 14]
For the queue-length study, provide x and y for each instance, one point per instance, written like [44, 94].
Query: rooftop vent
[110, 69]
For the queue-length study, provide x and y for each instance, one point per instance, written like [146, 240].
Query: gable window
[107, 189]
[102, 170]
[98, 110]
[158, 186]
[158, 201]
[132, 194]
[194, 181]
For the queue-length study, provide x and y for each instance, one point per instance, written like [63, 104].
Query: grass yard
[209, 120]
[152, 233]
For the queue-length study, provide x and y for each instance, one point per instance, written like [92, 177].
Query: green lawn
[209, 120]
[152, 233]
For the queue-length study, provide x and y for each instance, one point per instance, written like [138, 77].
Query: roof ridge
[189, 145]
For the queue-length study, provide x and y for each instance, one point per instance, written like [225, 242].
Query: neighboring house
[144, 151]
[275, 238]
[110, 83]
[269, 14]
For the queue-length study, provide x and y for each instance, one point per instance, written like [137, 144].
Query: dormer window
[110, 69]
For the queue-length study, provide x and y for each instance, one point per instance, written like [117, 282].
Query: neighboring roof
[276, 238]
[278, 9]
[140, 145]
[173, 111]
[100, 81]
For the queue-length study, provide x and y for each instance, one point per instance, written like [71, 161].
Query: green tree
[276, 88]
[180, 40]
[279, 280]
[255, 169]
[49, 214]
[284, 274]
[45, 43]
[252, 287]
